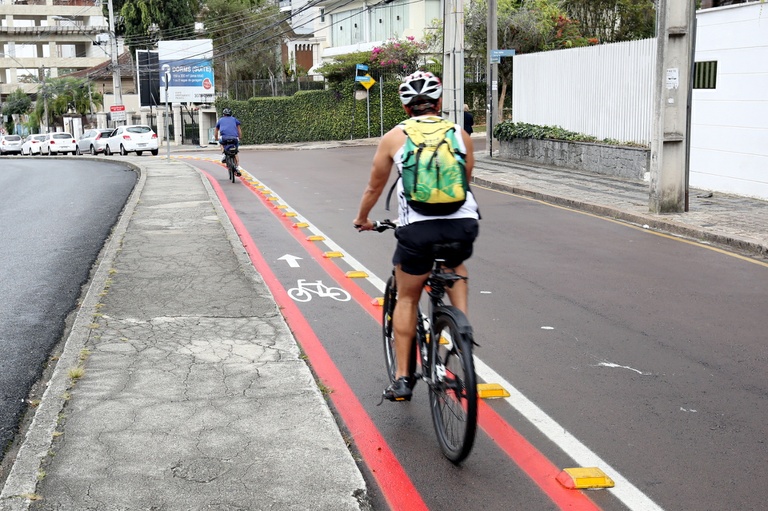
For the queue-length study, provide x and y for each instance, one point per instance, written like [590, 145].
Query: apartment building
[49, 38]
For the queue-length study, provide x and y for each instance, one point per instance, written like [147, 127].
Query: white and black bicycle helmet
[226, 111]
[420, 86]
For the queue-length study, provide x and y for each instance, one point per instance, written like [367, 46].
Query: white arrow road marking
[292, 260]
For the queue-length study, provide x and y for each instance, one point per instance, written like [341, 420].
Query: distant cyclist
[228, 127]
[421, 95]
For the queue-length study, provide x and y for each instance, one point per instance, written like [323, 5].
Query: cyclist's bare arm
[470, 158]
[380, 170]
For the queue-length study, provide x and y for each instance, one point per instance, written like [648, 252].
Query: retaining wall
[609, 160]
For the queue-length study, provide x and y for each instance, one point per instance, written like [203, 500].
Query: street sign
[117, 112]
[497, 54]
[361, 67]
[363, 78]
[369, 82]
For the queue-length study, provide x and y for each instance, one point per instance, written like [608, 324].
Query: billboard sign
[186, 71]
[148, 70]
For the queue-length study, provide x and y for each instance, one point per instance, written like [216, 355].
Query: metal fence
[605, 90]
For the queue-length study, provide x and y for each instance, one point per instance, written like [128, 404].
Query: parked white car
[128, 139]
[33, 144]
[93, 141]
[59, 143]
[10, 144]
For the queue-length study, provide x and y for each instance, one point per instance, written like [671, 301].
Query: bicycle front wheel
[453, 392]
[388, 332]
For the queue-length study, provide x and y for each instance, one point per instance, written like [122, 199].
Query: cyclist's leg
[404, 321]
[464, 231]
[459, 291]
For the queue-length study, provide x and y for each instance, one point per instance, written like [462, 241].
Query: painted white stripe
[625, 491]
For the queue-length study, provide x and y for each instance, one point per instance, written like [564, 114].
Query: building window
[705, 75]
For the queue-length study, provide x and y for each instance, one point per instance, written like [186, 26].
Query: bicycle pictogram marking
[305, 290]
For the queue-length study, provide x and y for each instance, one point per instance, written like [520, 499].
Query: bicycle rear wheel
[453, 392]
[230, 160]
[388, 332]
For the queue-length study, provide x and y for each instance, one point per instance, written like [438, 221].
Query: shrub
[508, 130]
[307, 116]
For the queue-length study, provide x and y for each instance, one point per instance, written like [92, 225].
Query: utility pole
[493, 76]
[675, 21]
[453, 61]
[116, 82]
[44, 92]
[167, 130]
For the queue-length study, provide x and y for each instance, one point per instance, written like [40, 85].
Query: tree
[246, 38]
[66, 95]
[614, 20]
[399, 57]
[524, 26]
[17, 103]
[144, 22]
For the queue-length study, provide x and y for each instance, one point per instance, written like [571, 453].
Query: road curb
[23, 476]
[653, 223]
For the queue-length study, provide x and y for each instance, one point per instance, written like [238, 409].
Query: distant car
[10, 144]
[93, 141]
[33, 144]
[128, 139]
[59, 143]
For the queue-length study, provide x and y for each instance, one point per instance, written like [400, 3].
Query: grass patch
[76, 373]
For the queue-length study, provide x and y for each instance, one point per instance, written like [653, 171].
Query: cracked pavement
[194, 394]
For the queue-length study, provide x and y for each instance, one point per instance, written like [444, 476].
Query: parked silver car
[93, 141]
[10, 144]
[33, 144]
[59, 143]
[134, 138]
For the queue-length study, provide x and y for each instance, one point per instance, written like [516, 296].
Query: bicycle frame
[439, 280]
[447, 367]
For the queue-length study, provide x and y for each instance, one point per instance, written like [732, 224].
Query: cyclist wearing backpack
[228, 127]
[434, 158]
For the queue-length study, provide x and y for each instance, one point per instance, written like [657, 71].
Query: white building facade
[729, 120]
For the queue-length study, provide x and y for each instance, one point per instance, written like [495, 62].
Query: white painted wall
[729, 124]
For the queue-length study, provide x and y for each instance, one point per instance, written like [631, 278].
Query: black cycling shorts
[415, 242]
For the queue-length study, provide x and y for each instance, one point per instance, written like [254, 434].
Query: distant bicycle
[446, 366]
[230, 151]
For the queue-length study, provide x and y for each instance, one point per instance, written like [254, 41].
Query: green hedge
[508, 130]
[310, 116]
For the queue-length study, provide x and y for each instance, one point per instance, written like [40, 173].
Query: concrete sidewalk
[181, 386]
[727, 221]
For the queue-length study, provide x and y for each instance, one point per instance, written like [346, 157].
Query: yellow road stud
[356, 274]
[491, 391]
[378, 301]
[281, 206]
[299, 225]
[316, 238]
[289, 213]
[333, 254]
[273, 199]
[584, 477]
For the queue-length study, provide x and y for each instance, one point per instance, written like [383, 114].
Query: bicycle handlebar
[383, 225]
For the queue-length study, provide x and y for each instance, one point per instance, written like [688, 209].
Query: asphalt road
[646, 351]
[55, 215]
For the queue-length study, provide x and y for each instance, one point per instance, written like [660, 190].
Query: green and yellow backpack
[434, 169]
